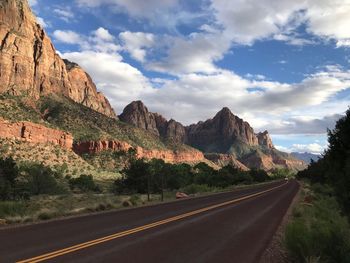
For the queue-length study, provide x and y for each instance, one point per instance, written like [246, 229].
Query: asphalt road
[228, 227]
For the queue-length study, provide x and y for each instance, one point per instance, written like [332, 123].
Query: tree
[8, 175]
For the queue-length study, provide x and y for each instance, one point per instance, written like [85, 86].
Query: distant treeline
[141, 176]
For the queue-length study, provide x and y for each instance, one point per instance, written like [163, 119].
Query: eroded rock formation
[35, 133]
[184, 156]
[225, 159]
[30, 64]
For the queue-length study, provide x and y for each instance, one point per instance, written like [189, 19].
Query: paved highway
[227, 227]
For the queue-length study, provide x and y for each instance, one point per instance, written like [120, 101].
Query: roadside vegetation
[31, 191]
[320, 229]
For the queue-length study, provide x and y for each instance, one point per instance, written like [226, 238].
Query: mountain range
[40, 89]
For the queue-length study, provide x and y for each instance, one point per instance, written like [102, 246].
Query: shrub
[8, 177]
[83, 183]
[319, 231]
[39, 179]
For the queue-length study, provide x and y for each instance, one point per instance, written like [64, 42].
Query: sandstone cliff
[184, 156]
[35, 133]
[264, 139]
[30, 64]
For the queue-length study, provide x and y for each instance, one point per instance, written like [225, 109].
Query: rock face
[30, 64]
[220, 133]
[137, 114]
[264, 139]
[188, 156]
[35, 133]
[225, 159]
[272, 160]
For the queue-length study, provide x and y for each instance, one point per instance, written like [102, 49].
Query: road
[227, 227]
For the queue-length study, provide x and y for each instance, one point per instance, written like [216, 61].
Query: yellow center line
[139, 229]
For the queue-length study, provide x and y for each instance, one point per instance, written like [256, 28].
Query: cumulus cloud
[136, 43]
[99, 40]
[121, 82]
[195, 53]
[68, 36]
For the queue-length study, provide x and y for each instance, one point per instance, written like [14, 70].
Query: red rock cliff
[29, 62]
[35, 133]
[187, 156]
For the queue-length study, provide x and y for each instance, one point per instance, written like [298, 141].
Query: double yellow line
[139, 229]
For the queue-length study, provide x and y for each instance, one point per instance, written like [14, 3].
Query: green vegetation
[334, 167]
[318, 232]
[17, 108]
[156, 176]
[88, 125]
[83, 183]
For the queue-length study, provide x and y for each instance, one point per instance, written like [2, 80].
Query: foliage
[334, 167]
[83, 183]
[8, 176]
[318, 230]
[141, 176]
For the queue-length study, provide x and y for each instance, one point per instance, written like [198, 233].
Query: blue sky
[282, 66]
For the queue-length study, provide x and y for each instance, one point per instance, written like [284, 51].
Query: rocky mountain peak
[137, 114]
[30, 64]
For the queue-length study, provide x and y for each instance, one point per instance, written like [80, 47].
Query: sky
[283, 66]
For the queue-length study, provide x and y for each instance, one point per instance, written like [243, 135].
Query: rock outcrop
[225, 159]
[29, 63]
[35, 133]
[184, 156]
[220, 133]
[137, 114]
[264, 139]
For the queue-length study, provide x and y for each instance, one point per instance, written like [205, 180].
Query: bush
[8, 177]
[39, 179]
[319, 231]
[83, 183]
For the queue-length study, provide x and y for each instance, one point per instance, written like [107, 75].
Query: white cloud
[248, 21]
[195, 53]
[68, 36]
[136, 42]
[98, 40]
[103, 34]
[118, 80]
[64, 13]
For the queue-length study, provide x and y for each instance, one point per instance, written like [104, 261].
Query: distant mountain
[226, 135]
[306, 157]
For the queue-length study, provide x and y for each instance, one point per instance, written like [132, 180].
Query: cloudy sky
[281, 65]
